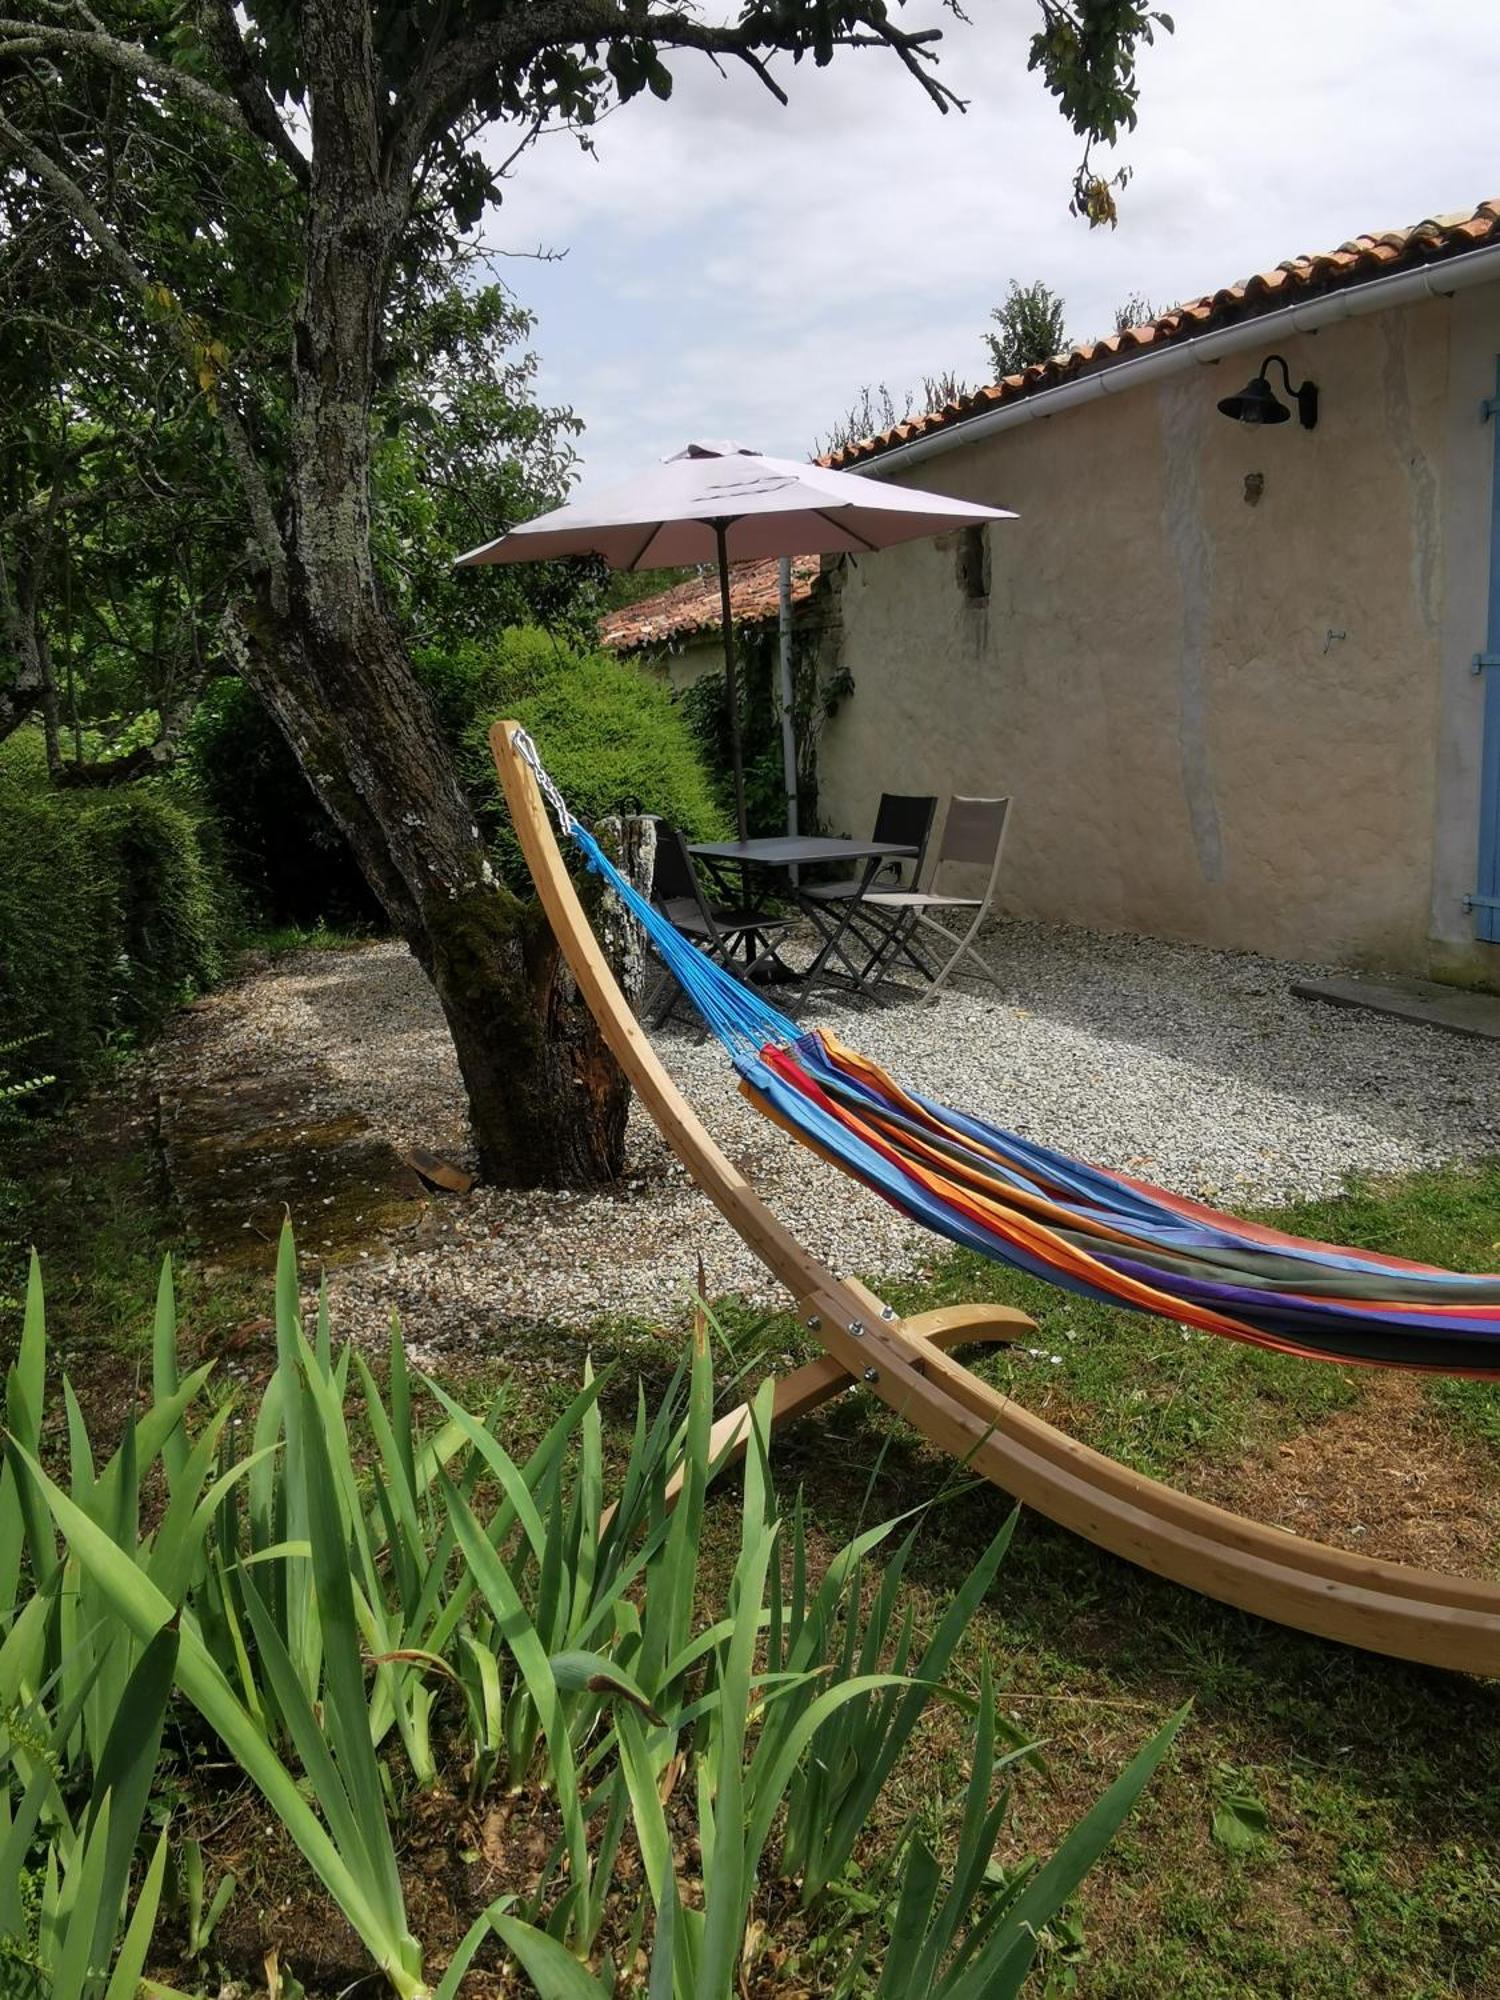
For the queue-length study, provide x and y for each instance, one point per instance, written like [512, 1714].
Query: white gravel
[1193, 1068]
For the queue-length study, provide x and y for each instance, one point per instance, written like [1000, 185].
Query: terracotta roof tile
[1352, 263]
[754, 597]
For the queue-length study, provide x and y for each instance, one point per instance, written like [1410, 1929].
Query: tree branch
[44, 505]
[74, 333]
[27, 38]
[76, 203]
[222, 33]
[146, 758]
[457, 69]
[534, 132]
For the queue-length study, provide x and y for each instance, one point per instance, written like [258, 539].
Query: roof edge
[691, 610]
[1364, 261]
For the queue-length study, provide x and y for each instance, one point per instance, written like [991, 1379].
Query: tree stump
[630, 843]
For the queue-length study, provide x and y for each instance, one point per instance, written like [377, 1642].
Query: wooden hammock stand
[1384, 1607]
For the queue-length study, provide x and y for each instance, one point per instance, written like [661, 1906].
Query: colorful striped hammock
[1102, 1235]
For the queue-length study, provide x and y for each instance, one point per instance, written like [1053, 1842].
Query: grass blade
[1002, 1971]
[520, 1637]
[552, 1969]
[140, 1606]
[76, 1912]
[126, 1979]
[164, 1378]
[124, 1776]
[473, 1938]
[348, 1714]
[25, 1388]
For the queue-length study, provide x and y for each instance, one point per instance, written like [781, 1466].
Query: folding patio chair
[903, 819]
[973, 837]
[716, 928]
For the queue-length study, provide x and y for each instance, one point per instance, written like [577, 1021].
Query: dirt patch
[245, 1149]
[1387, 1477]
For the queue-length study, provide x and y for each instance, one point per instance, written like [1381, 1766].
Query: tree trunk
[546, 1099]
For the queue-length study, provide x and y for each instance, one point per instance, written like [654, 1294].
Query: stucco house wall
[1223, 672]
[682, 663]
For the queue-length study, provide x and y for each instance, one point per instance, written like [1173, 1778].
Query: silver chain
[527, 751]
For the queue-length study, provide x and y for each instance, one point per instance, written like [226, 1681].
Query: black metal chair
[904, 819]
[721, 930]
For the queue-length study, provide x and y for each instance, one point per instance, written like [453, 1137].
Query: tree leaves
[1031, 328]
[1086, 52]
[636, 66]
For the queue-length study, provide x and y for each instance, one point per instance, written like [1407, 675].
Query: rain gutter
[1431, 281]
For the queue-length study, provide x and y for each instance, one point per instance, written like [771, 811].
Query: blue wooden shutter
[1485, 902]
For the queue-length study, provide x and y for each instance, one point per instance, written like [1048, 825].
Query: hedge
[116, 905]
[112, 910]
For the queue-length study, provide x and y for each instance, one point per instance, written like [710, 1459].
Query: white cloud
[734, 268]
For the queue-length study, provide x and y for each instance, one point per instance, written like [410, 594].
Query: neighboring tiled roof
[1353, 263]
[754, 596]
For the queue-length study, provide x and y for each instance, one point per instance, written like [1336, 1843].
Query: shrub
[112, 909]
[706, 713]
[612, 738]
[53, 913]
[20, 1085]
[703, 708]
[167, 902]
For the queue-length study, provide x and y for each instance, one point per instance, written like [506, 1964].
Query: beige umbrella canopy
[724, 503]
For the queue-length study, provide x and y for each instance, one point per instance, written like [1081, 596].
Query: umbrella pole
[731, 683]
[788, 703]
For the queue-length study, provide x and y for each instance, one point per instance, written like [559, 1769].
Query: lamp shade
[1257, 403]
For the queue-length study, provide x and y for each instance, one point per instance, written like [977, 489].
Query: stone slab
[1422, 1000]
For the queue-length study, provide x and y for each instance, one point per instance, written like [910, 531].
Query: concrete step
[1422, 1000]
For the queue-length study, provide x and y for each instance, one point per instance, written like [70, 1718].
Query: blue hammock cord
[734, 1011]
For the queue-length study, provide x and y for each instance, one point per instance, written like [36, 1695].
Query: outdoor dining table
[789, 854]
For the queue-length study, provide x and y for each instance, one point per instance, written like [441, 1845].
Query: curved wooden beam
[809, 1387]
[1385, 1607]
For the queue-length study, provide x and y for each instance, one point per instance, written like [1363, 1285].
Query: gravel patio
[1193, 1068]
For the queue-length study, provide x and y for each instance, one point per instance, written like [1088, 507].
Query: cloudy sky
[736, 269]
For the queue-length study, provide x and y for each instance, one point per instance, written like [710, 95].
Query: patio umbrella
[724, 503]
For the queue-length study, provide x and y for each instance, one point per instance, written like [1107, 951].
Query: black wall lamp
[1258, 403]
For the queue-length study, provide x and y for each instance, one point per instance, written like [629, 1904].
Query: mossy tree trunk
[546, 1099]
